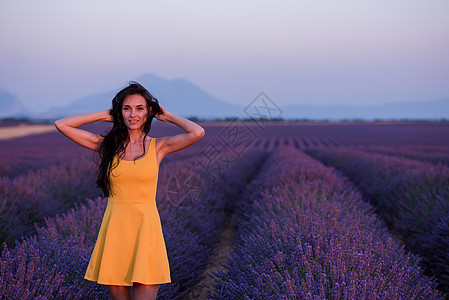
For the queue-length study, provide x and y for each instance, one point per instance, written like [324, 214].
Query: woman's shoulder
[156, 140]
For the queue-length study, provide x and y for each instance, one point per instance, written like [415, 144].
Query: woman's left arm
[194, 133]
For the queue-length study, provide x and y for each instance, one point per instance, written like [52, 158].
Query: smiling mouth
[133, 122]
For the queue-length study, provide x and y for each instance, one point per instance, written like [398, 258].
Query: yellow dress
[130, 245]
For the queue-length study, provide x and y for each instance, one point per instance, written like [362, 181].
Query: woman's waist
[131, 200]
[139, 194]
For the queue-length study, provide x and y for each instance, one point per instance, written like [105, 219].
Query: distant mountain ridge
[186, 99]
[10, 105]
[432, 110]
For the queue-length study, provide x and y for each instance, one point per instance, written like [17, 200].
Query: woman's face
[134, 111]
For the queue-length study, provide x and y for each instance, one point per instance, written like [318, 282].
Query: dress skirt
[130, 246]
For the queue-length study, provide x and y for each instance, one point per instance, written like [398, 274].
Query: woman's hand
[163, 116]
[108, 116]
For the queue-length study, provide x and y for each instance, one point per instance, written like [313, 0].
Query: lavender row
[17, 165]
[62, 248]
[18, 156]
[51, 264]
[306, 233]
[30, 197]
[411, 196]
[436, 155]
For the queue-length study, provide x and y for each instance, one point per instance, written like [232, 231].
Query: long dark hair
[116, 140]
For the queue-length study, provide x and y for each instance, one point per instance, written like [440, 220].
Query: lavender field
[254, 210]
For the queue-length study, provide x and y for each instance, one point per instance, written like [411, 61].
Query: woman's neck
[136, 136]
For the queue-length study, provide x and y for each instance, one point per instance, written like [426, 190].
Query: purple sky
[316, 51]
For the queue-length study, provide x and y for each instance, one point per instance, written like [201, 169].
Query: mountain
[11, 105]
[91, 103]
[178, 95]
[435, 109]
[187, 100]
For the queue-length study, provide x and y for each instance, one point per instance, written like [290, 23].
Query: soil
[219, 257]
[22, 130]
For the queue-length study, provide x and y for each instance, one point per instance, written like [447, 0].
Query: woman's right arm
[69, 127]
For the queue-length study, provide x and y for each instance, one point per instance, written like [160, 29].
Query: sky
[364, 52]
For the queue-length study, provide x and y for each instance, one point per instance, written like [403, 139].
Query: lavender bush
[433, 154]
[30, 197]
[306, 233]
[411, 196]
[63, 250]
[32, 153]
[24, 275]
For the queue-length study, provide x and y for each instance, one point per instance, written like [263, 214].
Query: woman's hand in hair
[163, 116]
[108, 116]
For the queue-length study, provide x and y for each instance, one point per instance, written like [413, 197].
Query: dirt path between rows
[22, 130]
[205, 287]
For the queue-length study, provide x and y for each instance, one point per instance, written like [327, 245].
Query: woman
[130, 249]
